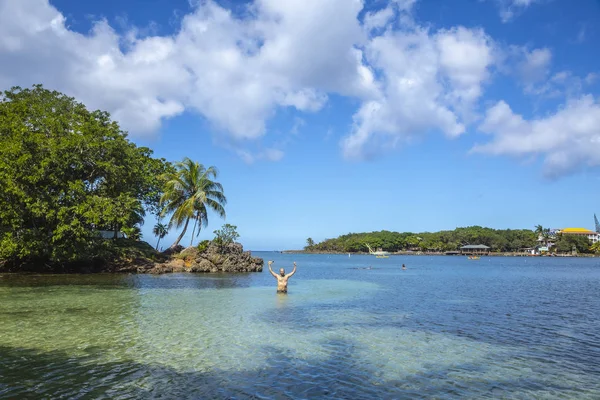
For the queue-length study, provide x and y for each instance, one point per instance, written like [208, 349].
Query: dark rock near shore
[228, 258]
[173, 250]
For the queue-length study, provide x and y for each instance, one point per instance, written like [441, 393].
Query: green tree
[160, 230]
[498, 240]
[188, 194]
[226, 235]
[133, 232]
[66, 173]
[566, 242]
[310, 243]
[539, 230]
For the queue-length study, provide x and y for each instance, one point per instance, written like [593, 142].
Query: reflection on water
[502, 328]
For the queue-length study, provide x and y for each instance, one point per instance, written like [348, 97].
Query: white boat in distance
[379, 253]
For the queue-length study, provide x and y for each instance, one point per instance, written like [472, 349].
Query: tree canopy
[188, 194]
[497, 240]
[66, 173]
[568, 243]
[226, 235]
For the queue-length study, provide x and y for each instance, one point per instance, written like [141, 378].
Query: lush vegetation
[188, 193]
[160, 230]
[226, 235]
[69, 176]
[504, 240]
[223, 237]
[568, 243]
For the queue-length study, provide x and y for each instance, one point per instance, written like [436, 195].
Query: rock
[202, 265]
[173, 265]
[189, 253]
[173, 250]
[161, 269]
[229, 258]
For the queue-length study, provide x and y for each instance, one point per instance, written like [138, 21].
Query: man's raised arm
[293, 271]
[271, 271]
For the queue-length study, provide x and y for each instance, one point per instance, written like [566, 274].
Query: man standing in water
[282, 278]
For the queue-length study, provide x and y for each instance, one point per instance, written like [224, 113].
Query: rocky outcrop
[228, 258]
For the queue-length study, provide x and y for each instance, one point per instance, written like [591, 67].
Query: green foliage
[161, 230]
[498, 240]
[226, 235]
[203, 245]
[566, 243]
[189, 192]
[65, 173]
[133, 232]
[595, 248]
[128, 249]
[309, 244]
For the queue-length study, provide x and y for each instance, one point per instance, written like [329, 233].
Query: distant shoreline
[419, 253]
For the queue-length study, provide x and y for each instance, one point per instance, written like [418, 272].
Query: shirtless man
[282, 278]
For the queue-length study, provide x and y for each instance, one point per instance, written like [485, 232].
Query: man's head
[281, 271]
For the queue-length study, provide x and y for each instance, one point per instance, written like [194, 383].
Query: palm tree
[189, 193]
[133, 232]
[539, 230]
[161, 230]
[546, 236]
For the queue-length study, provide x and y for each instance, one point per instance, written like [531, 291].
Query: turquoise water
[447, 327]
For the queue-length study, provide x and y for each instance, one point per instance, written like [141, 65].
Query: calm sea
[447, 327]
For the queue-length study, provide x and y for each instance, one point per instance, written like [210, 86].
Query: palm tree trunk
[157, 243]
[187, 221]
[194, 231]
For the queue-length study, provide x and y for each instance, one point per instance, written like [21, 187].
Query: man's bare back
[282, 278]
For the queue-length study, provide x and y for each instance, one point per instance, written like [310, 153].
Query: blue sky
[332, 116]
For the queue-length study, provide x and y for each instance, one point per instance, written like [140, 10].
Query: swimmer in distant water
[403, 267]
[282, 278]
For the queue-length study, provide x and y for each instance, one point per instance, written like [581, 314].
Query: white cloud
[591, 78]
[384, 18]
[268, 154]
[233, 71]
[428, 82]
[378, 19]
[535, 65]
[533, 68]
[566, 140]
[236, 72]
[509, 9]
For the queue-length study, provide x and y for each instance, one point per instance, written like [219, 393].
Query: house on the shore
[592, 236]
[550, 240]
[111, 234]
[475, 249]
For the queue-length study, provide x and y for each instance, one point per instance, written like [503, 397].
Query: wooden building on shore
[475, 249]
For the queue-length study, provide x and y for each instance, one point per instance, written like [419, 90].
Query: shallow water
[447, 327]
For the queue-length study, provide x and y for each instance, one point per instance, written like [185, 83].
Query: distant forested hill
[498, 240]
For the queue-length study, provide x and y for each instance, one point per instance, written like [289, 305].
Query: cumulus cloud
[233, 71]
[428, 81]
[566, 140]
[238, 71]
[378, 19]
